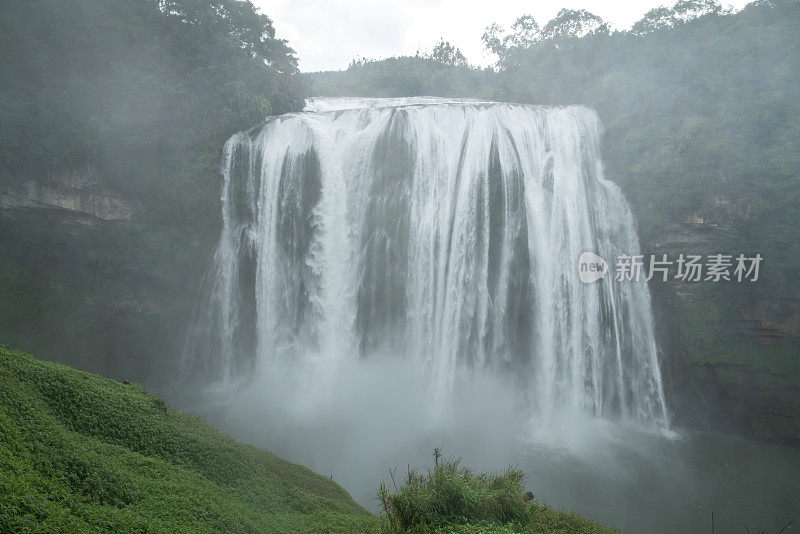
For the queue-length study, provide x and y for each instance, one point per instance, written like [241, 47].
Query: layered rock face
[79, 190]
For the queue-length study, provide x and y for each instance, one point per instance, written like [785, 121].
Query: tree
[686, 10]
[525, 32]
[447, 54]
[239, 21]
[656, 19]
[493, 39]
[573, 24]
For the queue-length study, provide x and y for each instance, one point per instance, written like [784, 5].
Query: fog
[357, 419]
[354, 421]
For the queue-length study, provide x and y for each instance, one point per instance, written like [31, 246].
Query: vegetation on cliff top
[146, 91]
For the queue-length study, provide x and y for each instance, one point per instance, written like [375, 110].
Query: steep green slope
[82, 453]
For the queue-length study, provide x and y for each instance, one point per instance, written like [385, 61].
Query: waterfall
[444, 232]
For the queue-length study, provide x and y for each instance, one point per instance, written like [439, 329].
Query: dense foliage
[453, 498]
[403, 76]
[146, 90]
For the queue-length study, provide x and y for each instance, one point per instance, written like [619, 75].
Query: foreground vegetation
[452, 498]
[81, 453]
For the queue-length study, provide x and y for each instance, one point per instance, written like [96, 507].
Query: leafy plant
[450, 493]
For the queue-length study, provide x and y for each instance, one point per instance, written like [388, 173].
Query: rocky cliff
[78, 190]
[727, 348]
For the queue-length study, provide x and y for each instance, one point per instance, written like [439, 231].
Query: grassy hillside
[81, 453]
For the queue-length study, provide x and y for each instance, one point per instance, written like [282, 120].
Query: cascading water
[446, 232]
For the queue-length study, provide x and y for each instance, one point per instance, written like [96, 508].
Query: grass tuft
[451, 493]
[451, 498]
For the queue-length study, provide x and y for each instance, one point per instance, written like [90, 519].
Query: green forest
[146, 91]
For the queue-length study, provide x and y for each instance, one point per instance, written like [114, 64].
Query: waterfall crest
[445, 232]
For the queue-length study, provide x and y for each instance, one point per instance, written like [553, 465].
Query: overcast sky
[328, 34]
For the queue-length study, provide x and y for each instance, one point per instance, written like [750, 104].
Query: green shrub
[450, 493]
